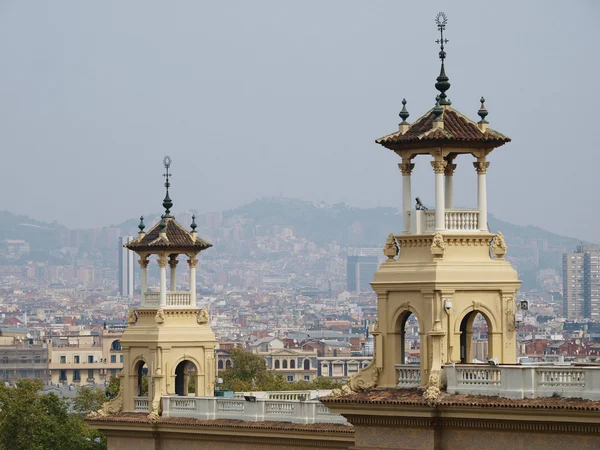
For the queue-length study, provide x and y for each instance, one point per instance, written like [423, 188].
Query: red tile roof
[415, 397]
[177, 237]
[458, 130]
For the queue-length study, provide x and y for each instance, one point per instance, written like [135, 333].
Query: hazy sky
[270, 98]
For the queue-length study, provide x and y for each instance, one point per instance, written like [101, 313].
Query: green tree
[89, 399]
[248, 372]
[30, 420]
[114, 385]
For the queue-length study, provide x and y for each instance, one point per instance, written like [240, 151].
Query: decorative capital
[481, 166]
[173, 262]
[193, 262]
[439, 166]
[143, 262]
[406, 168]
[162, 261]
[449, 170]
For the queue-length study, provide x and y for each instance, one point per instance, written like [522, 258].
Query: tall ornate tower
[446, 266]
[168, 346]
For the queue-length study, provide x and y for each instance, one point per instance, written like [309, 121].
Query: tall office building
[125, 268]
[359, 272]
[581, 283]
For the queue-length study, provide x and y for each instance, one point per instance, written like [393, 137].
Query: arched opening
[228, 364]
[409, 344]
[292, 364]
[185, 378]
[220, 364]
[307, 364]
[142, 378]
[284, 364]
[277, 364]
[475, 343]
[116, 345]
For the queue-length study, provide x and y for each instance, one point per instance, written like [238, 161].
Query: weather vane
[443, 83]
[167, 202]
[441, 20]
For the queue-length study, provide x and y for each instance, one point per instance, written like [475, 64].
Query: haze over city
[272, 98]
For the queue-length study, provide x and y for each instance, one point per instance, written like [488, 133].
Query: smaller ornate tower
[168, 347]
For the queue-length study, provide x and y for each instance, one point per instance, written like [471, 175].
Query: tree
[30, 420]
[89, 399]
[114, 385]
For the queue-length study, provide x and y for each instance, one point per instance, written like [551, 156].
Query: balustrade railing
[455, 220]
[173, 299]
[526, 381]
[141, 404]
[409, 375]
[255, 411]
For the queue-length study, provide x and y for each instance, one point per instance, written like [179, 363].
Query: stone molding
[451, 241]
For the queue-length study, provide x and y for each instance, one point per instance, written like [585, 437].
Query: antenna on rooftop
[443, 83]
[167, 202]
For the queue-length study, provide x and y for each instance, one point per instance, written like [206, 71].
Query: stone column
[192, 262]
[440, 210]
[406, 167]
[481, 166]
[162, 262]
[144, 278]
[449, 178]
[173, 264]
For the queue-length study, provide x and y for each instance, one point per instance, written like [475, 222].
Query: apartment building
[581, 283]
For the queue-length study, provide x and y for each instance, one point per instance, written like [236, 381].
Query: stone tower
[168, 347]
[446, 266]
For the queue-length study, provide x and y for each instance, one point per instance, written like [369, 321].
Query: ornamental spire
[443, 83]
[167, 202]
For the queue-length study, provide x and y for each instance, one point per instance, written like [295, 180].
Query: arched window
[293, 364]
[185, 378]
[220, 364]
[285, 363]
[228, 364]
[307, 364]
[116, 345]
[277, 364]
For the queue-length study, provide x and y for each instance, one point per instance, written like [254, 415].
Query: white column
[481, 166]
[144, 278]
[192, 263]
[440, 210]
[406, 168]
[449, 178]
[162, 262]
[173, 278]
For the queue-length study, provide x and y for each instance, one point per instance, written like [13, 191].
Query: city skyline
[91, 90]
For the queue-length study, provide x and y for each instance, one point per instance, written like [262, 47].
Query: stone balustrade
[455, 220]
[210, 408]
[141, 404]
[286, 395]
[152, 299]
[524, 381]
[409, 375]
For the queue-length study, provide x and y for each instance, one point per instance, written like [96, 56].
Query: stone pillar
[192, 263]
[173, 278]
[406, 168]
[449, 178]
[440, 210]
[162, 262]
[144, 278]
[481, 166]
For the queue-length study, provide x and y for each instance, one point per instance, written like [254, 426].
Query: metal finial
[404, 113]
[193, 225]
[167, 202]
[437, 110]
[482, 111]
[443, 83]
[141, 226]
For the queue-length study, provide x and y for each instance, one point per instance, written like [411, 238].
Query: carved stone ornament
[499, 247]
[160, 316]
[481, 166]
[113, 406]
[192, 262]
[366, 379]
[143, 262]
[439, 166]
[438, 246]
[203, 316]
[391, 249]
[132, 316]
[449, 170]
[155, 412]
[162, 262]
[433, 390]
[406, 168]
[510, 315]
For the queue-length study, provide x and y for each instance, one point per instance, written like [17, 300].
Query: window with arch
[285, 364]
[228, 364]
[220, 365]
[116, 345]
[292, 364]
[277, 364]
[307, 364]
